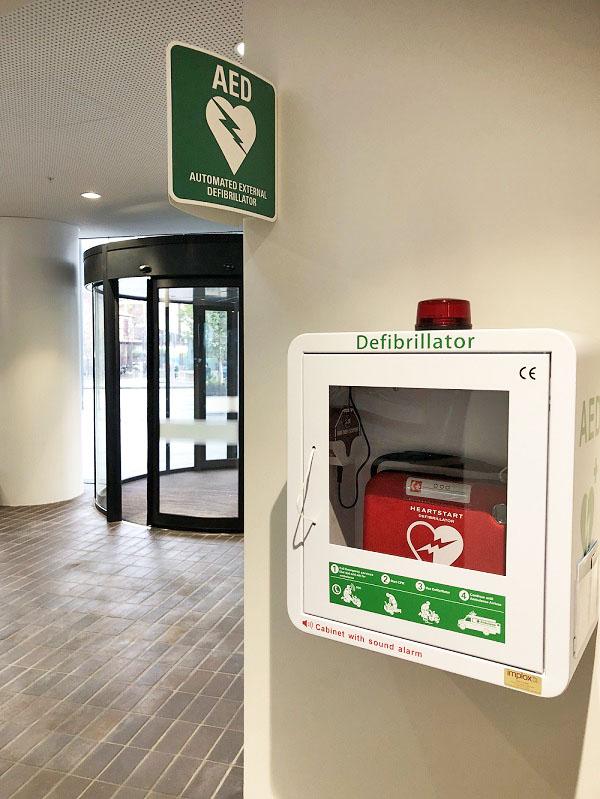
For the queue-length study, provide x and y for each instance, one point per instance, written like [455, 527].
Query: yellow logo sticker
[532, 683]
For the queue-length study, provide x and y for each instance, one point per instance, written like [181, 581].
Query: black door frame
[176, 521]
[112, 387]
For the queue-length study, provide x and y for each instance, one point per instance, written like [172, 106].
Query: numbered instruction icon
[464, 595]
[334, 568]
[420, 585]
[385, 579]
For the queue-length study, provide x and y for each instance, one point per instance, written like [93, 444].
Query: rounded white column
[40, 396]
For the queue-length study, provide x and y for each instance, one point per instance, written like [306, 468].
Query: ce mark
[525, 372]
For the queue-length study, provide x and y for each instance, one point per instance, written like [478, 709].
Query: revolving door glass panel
[197, 358]
[133, 391]
[99, 398]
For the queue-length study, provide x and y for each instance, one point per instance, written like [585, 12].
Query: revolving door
[167, 380]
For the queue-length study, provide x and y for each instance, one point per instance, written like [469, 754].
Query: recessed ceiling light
[91, 195]
[240, 49]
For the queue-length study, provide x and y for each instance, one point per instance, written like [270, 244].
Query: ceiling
[83, 108]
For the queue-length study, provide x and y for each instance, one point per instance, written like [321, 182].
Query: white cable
[302, 502]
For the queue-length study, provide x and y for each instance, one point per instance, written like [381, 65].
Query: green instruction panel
[446, 607]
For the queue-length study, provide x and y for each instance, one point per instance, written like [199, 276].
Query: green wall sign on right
[222, 134]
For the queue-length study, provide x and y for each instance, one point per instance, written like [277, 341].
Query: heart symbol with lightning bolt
[445, 543]
[234, 130]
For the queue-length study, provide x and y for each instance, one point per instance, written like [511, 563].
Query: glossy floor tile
[121, 658]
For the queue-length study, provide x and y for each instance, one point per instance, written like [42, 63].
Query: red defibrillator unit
[438, 508]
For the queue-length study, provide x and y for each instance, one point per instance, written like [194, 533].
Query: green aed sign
[222, 134]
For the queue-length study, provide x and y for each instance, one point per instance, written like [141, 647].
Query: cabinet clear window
[420, 474]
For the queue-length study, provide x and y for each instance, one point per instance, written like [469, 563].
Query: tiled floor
[120, 658]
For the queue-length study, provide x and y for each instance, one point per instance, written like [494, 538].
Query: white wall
[40, 398]
[428, 148]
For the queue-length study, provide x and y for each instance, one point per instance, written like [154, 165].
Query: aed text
[590, 420]
[234, 83]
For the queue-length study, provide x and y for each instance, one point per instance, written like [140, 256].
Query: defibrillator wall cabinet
[441, 493]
